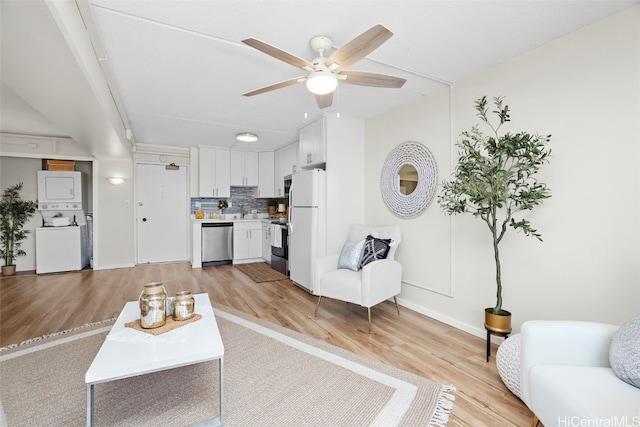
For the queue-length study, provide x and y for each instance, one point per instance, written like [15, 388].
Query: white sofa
[566, 378]
[375, 282]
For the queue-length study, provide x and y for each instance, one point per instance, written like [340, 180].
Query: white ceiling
[180, 67]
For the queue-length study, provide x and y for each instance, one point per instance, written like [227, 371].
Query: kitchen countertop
[236, 218]
[226, 220]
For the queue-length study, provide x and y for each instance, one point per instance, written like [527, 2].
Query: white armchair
[375, 282]
[566, 378]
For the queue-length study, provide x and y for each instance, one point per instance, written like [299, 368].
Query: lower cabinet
[247, 240]
[266, 241]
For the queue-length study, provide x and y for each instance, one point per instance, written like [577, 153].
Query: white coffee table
[127, 352]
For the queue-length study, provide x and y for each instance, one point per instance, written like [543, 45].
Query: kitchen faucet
[241, 211]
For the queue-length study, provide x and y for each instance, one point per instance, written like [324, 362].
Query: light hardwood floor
[33, 305]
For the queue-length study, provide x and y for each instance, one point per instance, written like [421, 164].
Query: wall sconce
[115, 180]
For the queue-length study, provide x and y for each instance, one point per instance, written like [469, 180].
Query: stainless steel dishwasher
[217, 243]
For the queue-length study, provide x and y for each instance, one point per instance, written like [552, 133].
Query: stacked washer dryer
[62, 243]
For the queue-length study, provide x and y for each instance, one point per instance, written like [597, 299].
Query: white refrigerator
[307, 225]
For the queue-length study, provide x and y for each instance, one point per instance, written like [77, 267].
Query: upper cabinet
[312, 144]
[286, 163]
[214, 172]
[290, 159]
[266, 174]
[244, 168]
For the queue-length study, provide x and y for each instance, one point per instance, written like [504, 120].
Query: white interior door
[162, 213]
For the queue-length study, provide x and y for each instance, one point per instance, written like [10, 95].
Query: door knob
[144, 219]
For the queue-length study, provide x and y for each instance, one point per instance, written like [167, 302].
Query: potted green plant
[272, 206]
[222, 205]
[14, 213]
[495, 178]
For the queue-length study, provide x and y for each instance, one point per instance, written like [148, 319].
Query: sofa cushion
[561, 394]
[351, 255]
[343, 284]
[624, 352]
[375, 249]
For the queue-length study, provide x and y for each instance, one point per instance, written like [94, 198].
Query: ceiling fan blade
[279, 54]
[324, 101]
[358, 48]
[275, 86]
[363, 78]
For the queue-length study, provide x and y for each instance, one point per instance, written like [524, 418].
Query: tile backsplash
[244, 196]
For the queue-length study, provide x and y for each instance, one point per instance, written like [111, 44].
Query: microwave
[287, 185]
[59, 190]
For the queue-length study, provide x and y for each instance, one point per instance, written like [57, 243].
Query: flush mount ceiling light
[247, 137]
[115, 180]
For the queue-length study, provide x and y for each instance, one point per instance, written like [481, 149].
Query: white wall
[584, 89]
[345, 181]
[114, 216]
[13, 171]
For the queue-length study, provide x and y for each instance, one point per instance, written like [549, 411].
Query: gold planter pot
[499, 323]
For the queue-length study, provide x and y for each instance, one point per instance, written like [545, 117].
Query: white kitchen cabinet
[244, 168]
[278, 178]
[286, 163]
[312, 144]
[214, 172]
[290, 163]
[266, 180]
[266, 241]
[247, 240]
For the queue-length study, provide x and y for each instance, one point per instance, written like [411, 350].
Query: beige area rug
[272, 377]
[260, 272]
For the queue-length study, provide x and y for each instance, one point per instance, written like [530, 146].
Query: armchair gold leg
[535, 421]
[397, 307]
[369, 315]
[317, 306]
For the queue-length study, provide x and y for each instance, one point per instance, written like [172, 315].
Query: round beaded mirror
[409, 179]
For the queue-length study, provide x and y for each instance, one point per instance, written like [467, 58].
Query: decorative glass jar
[183, 306]
[153, 300]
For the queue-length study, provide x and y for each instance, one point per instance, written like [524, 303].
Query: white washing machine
[63, 248]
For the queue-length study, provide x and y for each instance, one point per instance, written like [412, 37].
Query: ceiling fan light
[247, 137]
[322, 83]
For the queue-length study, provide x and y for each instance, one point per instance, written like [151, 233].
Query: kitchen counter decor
[222, 205]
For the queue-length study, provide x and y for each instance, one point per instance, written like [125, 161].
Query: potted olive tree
[494, 180]
[14, 213]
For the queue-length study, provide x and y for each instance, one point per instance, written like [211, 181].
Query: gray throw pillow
[351, 255]
[624, 352]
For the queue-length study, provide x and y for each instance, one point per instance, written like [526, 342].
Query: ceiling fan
[325, 73]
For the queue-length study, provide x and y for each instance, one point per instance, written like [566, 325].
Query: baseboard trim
[473, 330]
